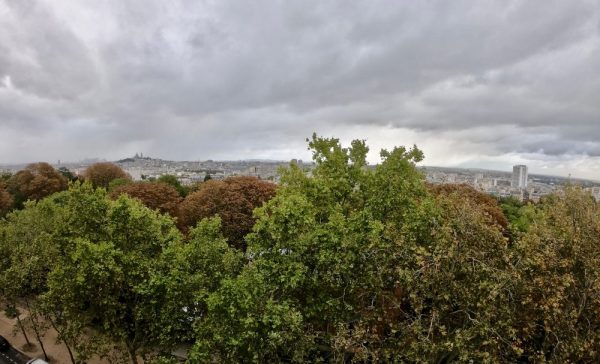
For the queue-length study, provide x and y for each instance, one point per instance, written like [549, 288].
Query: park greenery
[347, 263]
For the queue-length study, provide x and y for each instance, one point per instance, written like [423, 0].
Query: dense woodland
[342, 264]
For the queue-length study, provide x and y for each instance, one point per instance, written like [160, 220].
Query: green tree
[173, 181]
[80, 261]
[519, 215]
[67, 174]
[117, 183]
[113, 249]
[28, 254]
[177, 292]
[6, 201]
[559, 270]
[359, 263]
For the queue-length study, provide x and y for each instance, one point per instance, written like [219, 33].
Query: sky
[483, 84]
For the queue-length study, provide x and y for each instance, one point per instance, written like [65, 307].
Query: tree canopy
[487, 202]
[35, 182]
[101, 174]
[233, 200]
[358, 263]
[173, 181]
[347, 263]
[155, 195]
[6, 201]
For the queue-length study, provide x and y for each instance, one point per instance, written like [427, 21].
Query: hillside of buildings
[189, 173]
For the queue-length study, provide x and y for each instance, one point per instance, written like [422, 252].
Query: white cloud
[469, 82]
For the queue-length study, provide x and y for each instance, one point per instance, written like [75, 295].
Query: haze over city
[472, 84]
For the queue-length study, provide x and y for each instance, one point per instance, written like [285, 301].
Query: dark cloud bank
[477, 83]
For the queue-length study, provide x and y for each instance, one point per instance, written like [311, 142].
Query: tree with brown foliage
[101, 174]
[488, 204]
[35, 182]
[155, 195]
[6, 201]
[233, 199]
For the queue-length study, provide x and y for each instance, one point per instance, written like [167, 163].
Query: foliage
[363, 264]
[6, 201]
[67, 174]
[483, 200]
[27, 254]
[154, 195]
[111, 253]
[519, 215]
[119, 182]
[559, 276]
[35, 182]
[101, 174]
[188, 274]
[173, 181]
[233, 200]
[350, 263]
[86, 262]
[4, 177]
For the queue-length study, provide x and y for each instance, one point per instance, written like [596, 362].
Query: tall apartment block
[519, 176]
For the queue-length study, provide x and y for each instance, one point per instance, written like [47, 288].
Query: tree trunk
[63, 340]
[36, 330]
[132, 354]
[20, 324]
[70, 353]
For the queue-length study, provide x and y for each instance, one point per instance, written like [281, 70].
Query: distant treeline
[345, 264]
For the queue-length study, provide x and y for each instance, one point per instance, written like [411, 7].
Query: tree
[35, 182]
[483, 200]
[4, 177]
[233, 200]
[519, 215]
[559, 277]
[80, 261]
[155, 195]
[6, 201]
[363, 264]
[187, 274]
[119, 182]
[67, 174]
[112, 254]
[173, 181]
[101, 174]
[28, 254]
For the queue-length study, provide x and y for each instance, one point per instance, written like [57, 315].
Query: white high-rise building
[519, 176]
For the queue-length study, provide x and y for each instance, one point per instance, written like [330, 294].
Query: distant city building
[519, 176]
[595, 191]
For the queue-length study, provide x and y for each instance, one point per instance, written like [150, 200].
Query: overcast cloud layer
[472, 83]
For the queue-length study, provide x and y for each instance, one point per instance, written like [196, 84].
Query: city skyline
[88, 161]
[474, 85]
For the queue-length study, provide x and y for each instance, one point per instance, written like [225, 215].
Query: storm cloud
[472, 83]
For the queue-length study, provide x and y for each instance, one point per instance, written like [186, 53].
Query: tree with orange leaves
[35, 182]
[101, 174]
[233, 199]
[155, 195]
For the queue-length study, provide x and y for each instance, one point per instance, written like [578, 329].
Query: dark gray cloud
[469, 81]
